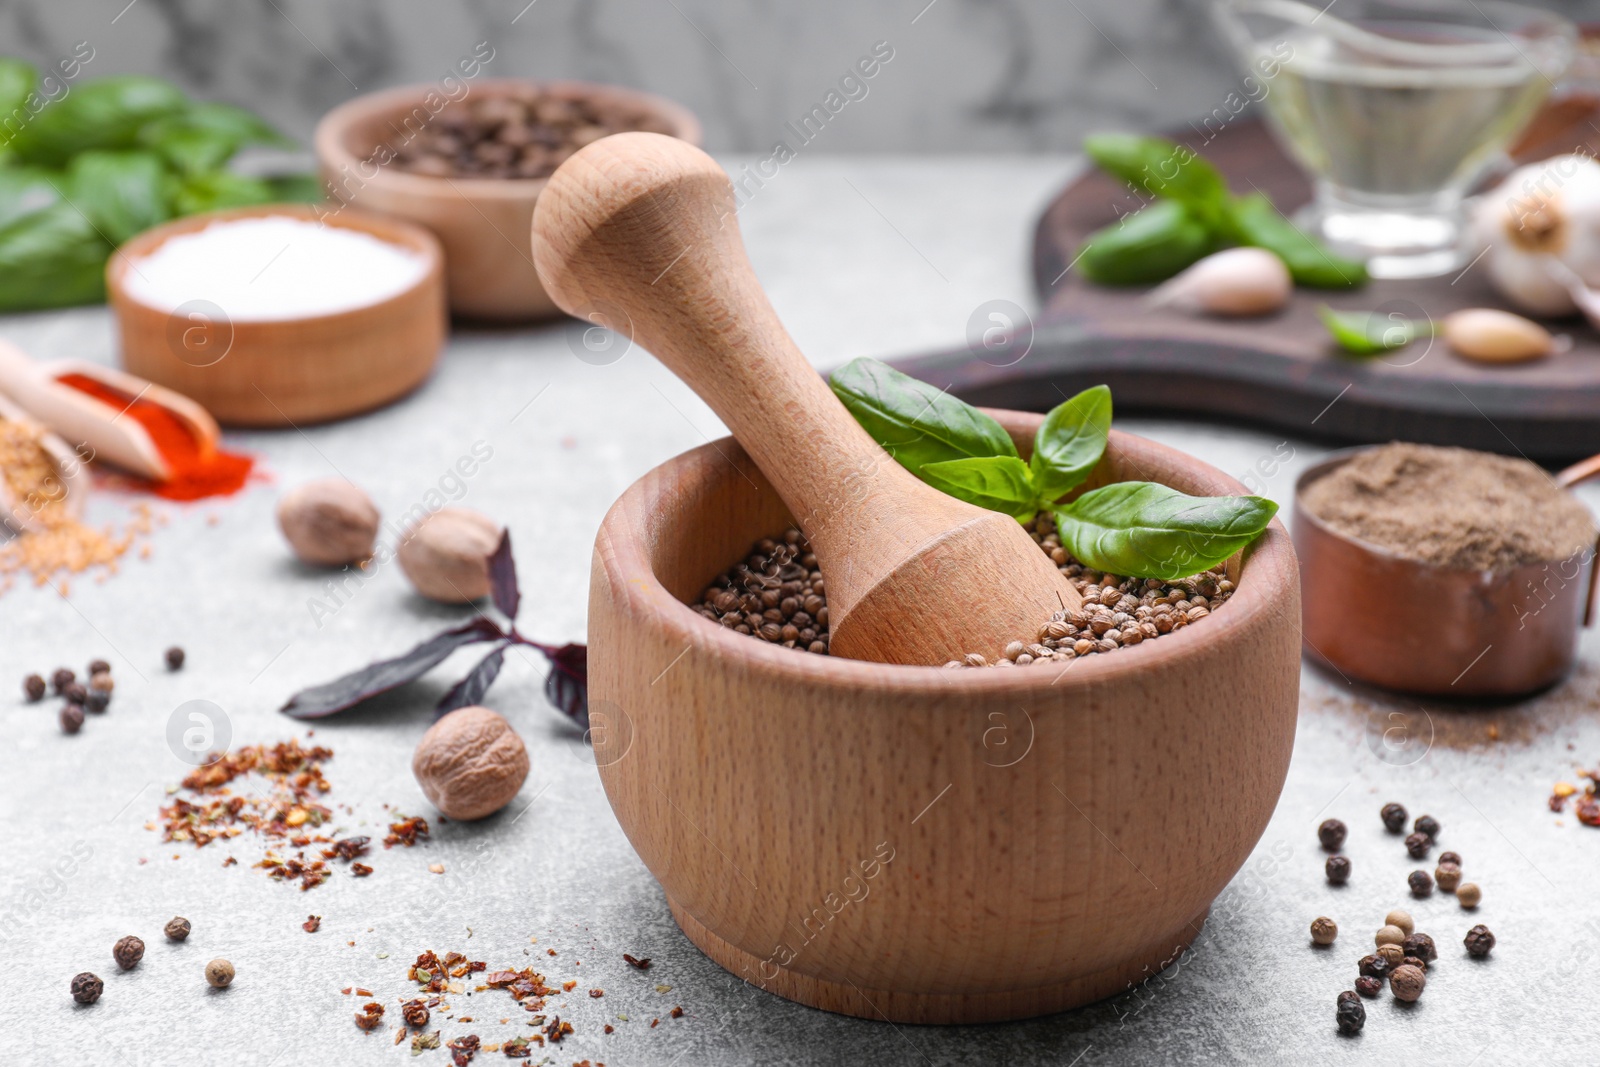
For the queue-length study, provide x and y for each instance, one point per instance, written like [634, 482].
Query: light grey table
[867, 257]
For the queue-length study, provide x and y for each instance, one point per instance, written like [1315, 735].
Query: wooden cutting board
[1282, 371]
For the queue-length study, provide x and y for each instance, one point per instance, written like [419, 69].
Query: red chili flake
[654, 1023]
[597, 993]
[499, 979]
[610, 1029]
[550, 951]
[406, 831]
[643, 965]
[231, 861]
[464, 1019]
[348, 848]
[345, 991]
[363, 992]
[360, 870]
[569, 986]
[676, 1013]
[369, 1016]
[312, 924]
[557, 1029]
[1588, 811]
[401, 1036]
[1557, 802]
[462, 1049]
[517, 1048]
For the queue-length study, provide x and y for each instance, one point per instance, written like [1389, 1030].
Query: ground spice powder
[198, 470]
[1452, 507]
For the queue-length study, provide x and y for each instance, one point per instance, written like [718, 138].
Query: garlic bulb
[1235, 281]
[1488, 335]
[1544, 216]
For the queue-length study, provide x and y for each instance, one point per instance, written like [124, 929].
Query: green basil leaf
[205, 136]
[1253, 220]
[915, 422]
[1151, 245]
[123, 193]
[103, 113]
[51, 258]
[17, 81]
[1363, 333]
[24, 190]
[1069, 442]
[1146, 530]
[296, 188]
[1158, 167]
[220, 189]
[999, 483]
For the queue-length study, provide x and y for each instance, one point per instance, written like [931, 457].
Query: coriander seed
[1369, 986]
[1479, 942]
[1448, 875]
[1350, 1015]
[86, 988]
[219, 973]
[1421, 946]
[71, 718]
[1393, 955]
[1394, 818]
[1468, 894]
[1402, 919]
[1427, 824]
[128, 952]
[1331, 834]
[174, 658]
[177, 929]
[1417, 845]
[1421, 883]
[1337, 869]
[33, 686]
[1323, 930]
[1374, 966]
[1407, 983]
[1389, 935]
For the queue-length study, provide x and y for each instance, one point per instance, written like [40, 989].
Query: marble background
[967, 75]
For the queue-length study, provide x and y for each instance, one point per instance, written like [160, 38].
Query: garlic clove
[1488, 335]
[1233, 282]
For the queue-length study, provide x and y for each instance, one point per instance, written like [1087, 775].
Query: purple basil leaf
[567, 684]
[503, 578]
[357, 686]
[470, 690]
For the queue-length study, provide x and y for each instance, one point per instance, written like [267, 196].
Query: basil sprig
[1137, 529]
[1194, 215]
[1366, 333]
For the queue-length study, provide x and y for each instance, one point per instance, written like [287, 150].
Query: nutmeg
[446, 555]
[470, 763]
[329, 522]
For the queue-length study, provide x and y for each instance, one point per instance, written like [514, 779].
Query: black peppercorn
[1420, 946]
[1450, 857]
[1479, 941]
[86, 988]
[1427, 824]
[98, 701]
[128, 952]
[1369, 986]
[1421, 883]
[1374, 966]
[75, 693]
[33, 686]
[177, 929]
[98, 666]
[1337, 869]
[1331, 834]
[1350, 1015]
[1394, 818]
[1417, 845]
[62, 678]
[174, 658]
[71, 718]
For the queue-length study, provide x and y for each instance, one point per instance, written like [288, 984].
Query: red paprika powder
[199, 469]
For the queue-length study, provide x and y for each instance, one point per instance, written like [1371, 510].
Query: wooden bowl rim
[389, 228]
[329, 138]
[1260, 591]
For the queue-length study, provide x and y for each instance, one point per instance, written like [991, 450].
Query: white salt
[273, 267]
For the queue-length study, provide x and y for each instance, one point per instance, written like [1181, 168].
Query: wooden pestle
[638, 232]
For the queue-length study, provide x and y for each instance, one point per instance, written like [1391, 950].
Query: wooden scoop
[104, 432]
[638, 232]
[68, 484]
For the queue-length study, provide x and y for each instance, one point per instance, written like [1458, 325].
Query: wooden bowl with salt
[256, 369]
[918, 844]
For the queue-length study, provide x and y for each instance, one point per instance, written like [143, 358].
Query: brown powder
[1452, 507]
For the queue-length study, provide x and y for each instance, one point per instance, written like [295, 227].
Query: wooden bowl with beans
[469, 165]
[920, 844]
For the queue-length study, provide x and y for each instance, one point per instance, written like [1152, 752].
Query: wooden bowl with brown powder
[1443, 571]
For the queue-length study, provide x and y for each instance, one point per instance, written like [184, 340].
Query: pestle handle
[639, 233]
